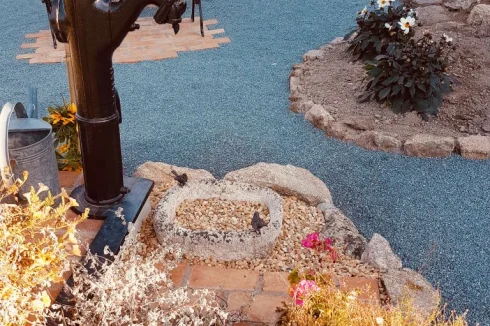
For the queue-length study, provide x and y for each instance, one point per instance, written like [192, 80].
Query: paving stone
[226, 279]
[368, 287]
[263, 308]
[149, 43]
[239, 300]
[276, 282]
[425, 145]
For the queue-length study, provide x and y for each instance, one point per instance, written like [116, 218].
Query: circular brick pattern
[223, 245]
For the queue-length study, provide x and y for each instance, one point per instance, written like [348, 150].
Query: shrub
[317, 301]
[410, 77]
[36, 238]
[62, 119]
[321, 303]
[136, 289]
[380, 27]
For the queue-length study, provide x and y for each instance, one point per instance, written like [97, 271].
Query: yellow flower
[56, 117]
[46, 300]
[379, 321]
[37, 305]
[63, 148]
[72, 108]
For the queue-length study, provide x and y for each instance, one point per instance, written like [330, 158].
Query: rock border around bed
[421, 145]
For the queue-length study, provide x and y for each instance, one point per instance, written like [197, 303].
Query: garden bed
[329, 78]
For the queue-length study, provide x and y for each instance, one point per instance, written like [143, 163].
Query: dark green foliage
[410, 76]
[373, 36]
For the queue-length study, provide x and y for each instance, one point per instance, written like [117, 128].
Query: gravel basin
[210, 241]
[219, 214]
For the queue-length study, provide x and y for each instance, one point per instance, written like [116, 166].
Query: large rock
[287, 180]
[319, 117]
[341, 130]
[301, 106]
[378, 253]
[475, 147]
[406, 283]
[313, 55]
[375, 141]
[341, 229]
[431, 15]
[161, 172]
[424, 145]
[460, 4]
[480, 16]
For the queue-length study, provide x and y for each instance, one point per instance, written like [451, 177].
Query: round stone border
[223, 245]
[420, 145]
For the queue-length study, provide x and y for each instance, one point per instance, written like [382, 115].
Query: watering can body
[26, 144]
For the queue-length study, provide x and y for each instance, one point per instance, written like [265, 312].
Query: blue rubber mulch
[227, 108]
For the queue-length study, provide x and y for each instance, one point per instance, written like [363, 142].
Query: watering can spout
[6, 171]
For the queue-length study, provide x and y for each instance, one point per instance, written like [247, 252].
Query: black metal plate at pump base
[113, 231]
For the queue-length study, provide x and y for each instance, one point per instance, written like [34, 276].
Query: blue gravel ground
[227, 108]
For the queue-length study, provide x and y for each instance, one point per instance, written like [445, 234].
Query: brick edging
[420, 145]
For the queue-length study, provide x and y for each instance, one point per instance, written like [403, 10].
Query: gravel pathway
[227, 108]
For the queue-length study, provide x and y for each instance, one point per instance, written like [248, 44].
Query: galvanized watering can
[26, 144]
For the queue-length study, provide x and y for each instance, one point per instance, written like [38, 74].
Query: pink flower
[311, 240]
[300, 290]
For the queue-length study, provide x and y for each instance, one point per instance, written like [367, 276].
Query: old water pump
[93, 30]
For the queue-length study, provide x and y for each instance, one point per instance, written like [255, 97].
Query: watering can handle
[6, 170]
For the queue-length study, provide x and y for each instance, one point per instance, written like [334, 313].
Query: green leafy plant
[381, 26]
[410, 77]
[62, 119]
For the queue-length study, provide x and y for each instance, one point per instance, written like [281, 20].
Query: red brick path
[150, 42]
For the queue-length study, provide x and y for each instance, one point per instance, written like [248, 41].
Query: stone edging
[421, 145]
[224, 245]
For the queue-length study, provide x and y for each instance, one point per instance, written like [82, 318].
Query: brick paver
[150, 42]
[230, 279]
[368, 287]
[276, 282]
[263, 308]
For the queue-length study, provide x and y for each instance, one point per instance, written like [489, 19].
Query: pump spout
[124, 13]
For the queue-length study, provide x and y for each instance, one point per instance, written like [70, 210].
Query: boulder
[295, 87]
[480, 16]
[301, 106]
[313, 55]
[161, 172]
[431, 15]
[425, 145]
[460, 4]
[341, 131]
[318, 116]
[375, 141]
[475, 147]
[287, 180]
[406, 283]
[378, 253]
[337, 40]
[341, 229]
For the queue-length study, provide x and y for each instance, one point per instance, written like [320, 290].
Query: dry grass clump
[36, 239]
[319, 302]
[136, 289]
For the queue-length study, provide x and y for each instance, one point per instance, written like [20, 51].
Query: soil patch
[335, 82]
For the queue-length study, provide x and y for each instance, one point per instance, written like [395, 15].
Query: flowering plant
[379, 27]
[62, 119]
[36, 239]
[411, 76]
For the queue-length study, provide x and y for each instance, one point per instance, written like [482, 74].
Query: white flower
[380, 321]
[406, 23]
[388, 26]
[447, 38]
[364, 11]
[383, 3]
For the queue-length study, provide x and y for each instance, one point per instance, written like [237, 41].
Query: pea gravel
[227, 108]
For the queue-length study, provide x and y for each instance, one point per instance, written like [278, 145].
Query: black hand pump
[93, 30]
